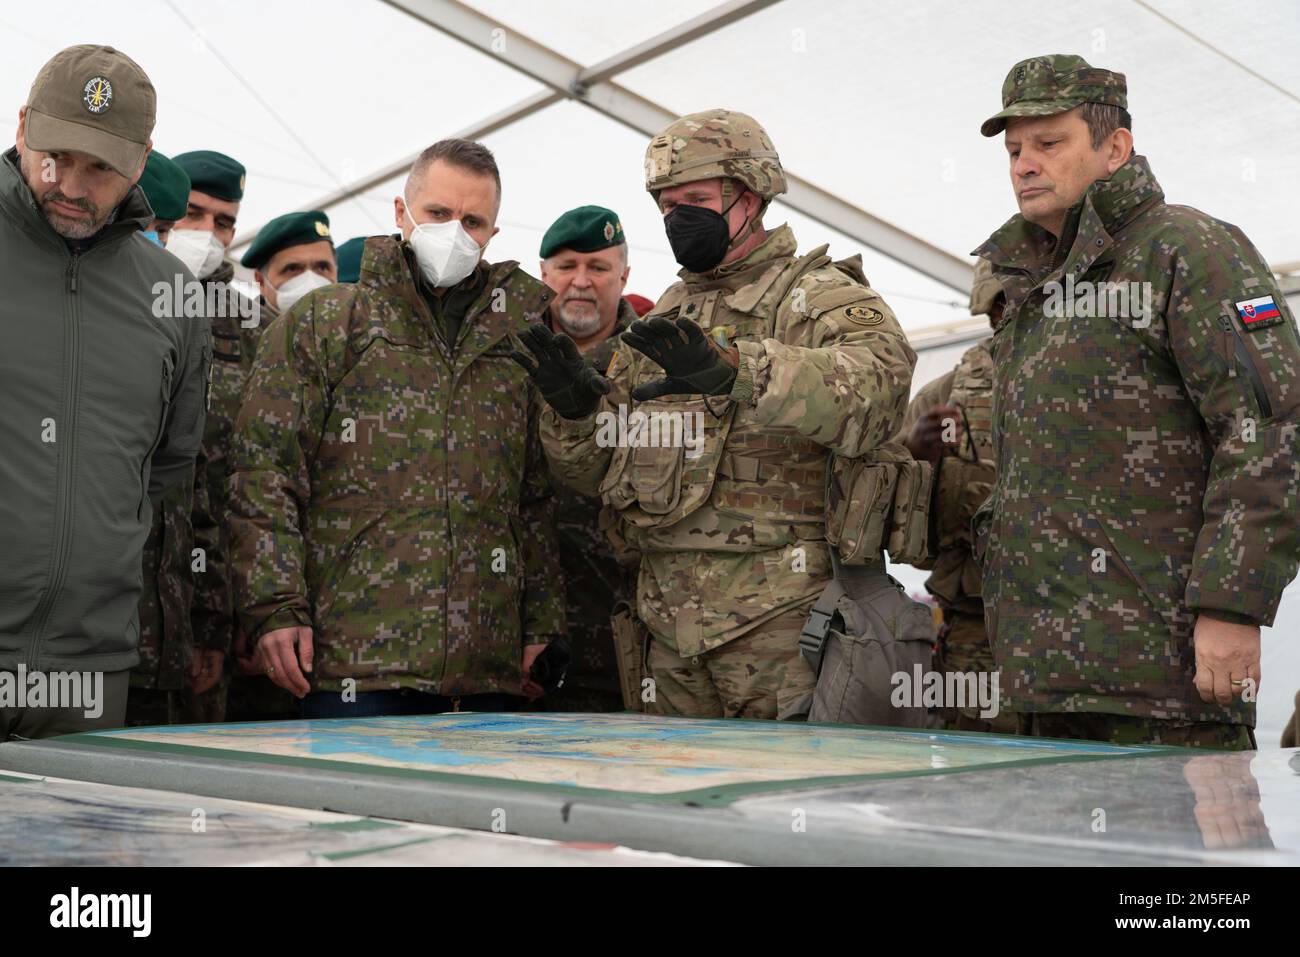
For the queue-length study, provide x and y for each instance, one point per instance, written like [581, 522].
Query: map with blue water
[613, 752]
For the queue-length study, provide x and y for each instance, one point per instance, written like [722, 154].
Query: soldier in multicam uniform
[782, 360]
[1143, 523]
[201, 239]
[392, 522]
[949, 424]
[584, 261]
[166, 638]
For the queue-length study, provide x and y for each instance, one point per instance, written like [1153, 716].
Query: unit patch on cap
[321, 228]
[97, 95]
[1258, 313]
[609, 231]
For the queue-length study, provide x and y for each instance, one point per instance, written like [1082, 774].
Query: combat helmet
[985, 289]
[715, 143]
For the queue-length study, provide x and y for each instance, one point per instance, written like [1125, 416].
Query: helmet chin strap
[746, 229]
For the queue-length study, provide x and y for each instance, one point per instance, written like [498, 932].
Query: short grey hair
[1104, 119]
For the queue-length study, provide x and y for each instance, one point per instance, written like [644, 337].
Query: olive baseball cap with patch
[1057, 83]
[92, 99]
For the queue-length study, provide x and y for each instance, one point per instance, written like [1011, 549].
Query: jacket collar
[1088, 233]
[387, 275]
[744, 282]
[133, 214]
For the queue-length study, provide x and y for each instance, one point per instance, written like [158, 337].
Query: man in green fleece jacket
[102, 379]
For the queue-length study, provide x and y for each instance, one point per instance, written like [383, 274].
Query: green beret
[291, 229]
[586, 229]
[349, 255]
[215, 174]
[166, 186]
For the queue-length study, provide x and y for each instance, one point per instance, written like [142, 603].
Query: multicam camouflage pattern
[1047, 85]
[166, 638]
[755, 676]
[735, 537]
[712, 144]
[984, 290]
[1146, 473]
[596, 576]
[961, 485]
[391, 493]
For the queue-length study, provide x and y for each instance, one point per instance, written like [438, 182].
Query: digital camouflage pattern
[233, 349]
[1146, 472]
[1126, 729]
[391, 493]
[1048, 85]
[212, 615]
[166, 638]
[596, 576]
[735, 537]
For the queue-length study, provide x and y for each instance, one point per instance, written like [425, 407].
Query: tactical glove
[696, 365]
[567, 381]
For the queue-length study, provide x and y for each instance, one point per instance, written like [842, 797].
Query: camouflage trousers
[1126, 729]
[149, 707]
[964, 648]
[753, 676]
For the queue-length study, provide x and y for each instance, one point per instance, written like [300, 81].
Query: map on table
[630, 756]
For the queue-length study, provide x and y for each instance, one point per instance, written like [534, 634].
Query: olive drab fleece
[104, 405]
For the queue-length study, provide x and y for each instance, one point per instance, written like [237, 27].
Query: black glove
[552, 666]
[567, 381]
[695, 364]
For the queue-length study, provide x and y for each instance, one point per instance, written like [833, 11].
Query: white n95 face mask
[297, 287]
[445, 252]
[198, 249]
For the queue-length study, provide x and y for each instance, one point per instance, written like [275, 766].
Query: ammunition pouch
[631, 639]
[877, 501]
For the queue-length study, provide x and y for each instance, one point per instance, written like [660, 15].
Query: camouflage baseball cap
[92, 99]
[985, 289]
[716, 143]
[1047, 85]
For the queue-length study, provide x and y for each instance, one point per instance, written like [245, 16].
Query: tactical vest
[742, 469]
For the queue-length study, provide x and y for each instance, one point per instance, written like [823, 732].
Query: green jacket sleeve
[1246, 383]
[543, 608]
[279, 426]
[174, 456]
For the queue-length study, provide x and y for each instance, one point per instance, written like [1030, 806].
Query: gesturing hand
[696, 365]
[567, 381]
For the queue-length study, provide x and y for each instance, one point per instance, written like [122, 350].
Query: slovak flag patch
[1258, 313]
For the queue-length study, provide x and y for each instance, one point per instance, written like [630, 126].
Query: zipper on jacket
[67, 462]
[1243, 358]
[158, 435]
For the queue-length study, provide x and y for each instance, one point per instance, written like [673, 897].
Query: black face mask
[698, 236]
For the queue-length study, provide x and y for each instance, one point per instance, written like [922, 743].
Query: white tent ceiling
[875, 107]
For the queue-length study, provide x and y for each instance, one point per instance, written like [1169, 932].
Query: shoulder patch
[864, 315]
[1254, 314]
